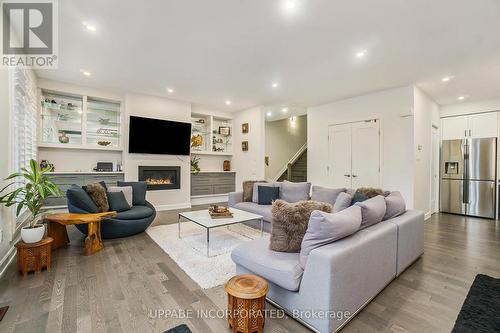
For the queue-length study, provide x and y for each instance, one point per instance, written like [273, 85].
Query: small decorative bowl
[104, 143]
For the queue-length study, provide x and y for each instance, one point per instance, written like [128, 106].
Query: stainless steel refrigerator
[468, 177]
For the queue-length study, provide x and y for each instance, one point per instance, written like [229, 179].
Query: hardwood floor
[122, 287]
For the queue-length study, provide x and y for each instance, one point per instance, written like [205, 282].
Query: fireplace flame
[158, 181]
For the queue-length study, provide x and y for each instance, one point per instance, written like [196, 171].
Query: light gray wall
[283, 139]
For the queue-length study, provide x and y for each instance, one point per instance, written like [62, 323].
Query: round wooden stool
[246, 302]
[34, 256]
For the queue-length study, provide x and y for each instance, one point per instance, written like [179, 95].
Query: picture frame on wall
[244, 128]
[225, 130]
[244, 145]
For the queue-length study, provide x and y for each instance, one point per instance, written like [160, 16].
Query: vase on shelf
[63, 138]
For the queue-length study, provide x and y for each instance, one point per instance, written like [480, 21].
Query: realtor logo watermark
[29, 34]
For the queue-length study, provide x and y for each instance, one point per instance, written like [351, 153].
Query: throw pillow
[295, 192]
[255, 193]
[117, 201]
[343, 201]
[138, 191]
[127, 192]
[323, 194]
[98, 194]
[325, 228]
[372, 211]
[248, 189]
[395, 205]
[103, 184]
[268, 194]
[290, 223]
[370, 192]
[79, 198]
[358, 197]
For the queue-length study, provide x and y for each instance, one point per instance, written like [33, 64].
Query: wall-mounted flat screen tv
[156, 136]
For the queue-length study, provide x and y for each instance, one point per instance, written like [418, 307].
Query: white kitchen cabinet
[454, 127]
[481, 125]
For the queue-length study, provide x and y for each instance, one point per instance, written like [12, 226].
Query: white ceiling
[213, 51]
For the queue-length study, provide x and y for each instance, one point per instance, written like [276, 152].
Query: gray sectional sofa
[339, 278]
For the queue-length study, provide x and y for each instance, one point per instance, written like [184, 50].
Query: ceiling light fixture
[269, 114]
[290, 5]
[170, 90]
[84, 72]
[89, 27]
[284, 110]
[447, 78]
[275, 85]
[228, 102]
[360, 54]
[461, 98]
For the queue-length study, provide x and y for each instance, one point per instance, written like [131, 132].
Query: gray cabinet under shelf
[65, 180]
[212, 183]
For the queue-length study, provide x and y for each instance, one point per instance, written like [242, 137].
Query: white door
[339, 155]
[454, 128]
[484, 125]
[365, 154]
[434, 170]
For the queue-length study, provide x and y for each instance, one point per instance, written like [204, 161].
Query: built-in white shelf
[85, 172]
[212, 171]
[77, 146]
[210, 153]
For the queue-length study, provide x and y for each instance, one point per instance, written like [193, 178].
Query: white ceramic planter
[33, 235]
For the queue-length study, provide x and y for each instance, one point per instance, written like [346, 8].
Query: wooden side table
[246, 301]
[34, 256]
[93, 242]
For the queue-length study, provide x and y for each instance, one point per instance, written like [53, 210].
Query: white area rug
[189, 252]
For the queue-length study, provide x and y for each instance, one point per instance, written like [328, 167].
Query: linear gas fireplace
[161, 177]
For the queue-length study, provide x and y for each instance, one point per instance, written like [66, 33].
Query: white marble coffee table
[202, 218]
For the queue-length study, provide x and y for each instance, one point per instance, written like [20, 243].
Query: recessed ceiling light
[228, 102]
[89, 26]
[447, 78]
[360, 54]
[461, 98]
[269, 114]
[274, 85]
[290, 4]
[170, 90]
[284, 110]
[84, 72]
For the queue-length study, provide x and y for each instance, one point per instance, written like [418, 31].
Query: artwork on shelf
[226, 165]
[196, 141]
[244, 145]
[244, 128]
[224, 130]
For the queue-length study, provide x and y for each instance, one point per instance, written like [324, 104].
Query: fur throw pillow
[98, 194]
[290, 222]
[248, 189]
[370, 192]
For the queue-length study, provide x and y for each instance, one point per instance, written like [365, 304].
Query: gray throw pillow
[117, 202]
[255, 194]
[295, 192]
[325, 228]
[343, 201]
[127, 192]
[139, 190]
[395, 205]
[290, 223]
[248, 189]
[372, 211]
[324, 194]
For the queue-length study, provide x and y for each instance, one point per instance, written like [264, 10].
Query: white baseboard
[160, 208]
[427, 215]
[9, 256]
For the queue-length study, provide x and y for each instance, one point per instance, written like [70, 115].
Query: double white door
[354, 154]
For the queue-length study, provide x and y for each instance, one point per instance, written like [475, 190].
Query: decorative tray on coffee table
[219, 212]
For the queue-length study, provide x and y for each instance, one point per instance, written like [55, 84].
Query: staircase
[296, 171]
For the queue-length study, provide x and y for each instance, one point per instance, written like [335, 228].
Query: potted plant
[30, 194]
[195, 167]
